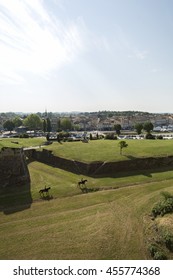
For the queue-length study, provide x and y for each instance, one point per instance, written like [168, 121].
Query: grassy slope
[99, 150]
[107, 224]
[108, 150]
[22, 142]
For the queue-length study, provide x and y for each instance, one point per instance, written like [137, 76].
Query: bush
[24, 135]
[160, 256]
[153, 250]
[159, 137]
[111, 136]
[149, 136]
[164, 206]
[156, 253]
[168, 239]
[166, 195]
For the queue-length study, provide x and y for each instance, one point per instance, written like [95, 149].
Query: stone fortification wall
[102, 168]
[13, 167]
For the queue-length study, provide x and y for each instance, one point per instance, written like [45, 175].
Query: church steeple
[45, 114]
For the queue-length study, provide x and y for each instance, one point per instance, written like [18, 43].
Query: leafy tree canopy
[9, 125]
[122, 144]
[148, 126]
[138, 127]
[33, 122]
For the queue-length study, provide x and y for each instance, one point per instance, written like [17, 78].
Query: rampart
[101, 168]
[13, 167]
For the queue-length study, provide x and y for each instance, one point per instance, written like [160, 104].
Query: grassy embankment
[99, 150]
[107, 224]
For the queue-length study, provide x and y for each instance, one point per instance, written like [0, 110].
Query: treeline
[35, 122]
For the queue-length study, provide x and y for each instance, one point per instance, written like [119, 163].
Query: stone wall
[101, 168]
[13, 167]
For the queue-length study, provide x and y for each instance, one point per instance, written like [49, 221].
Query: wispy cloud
[155, 70]
[33, 40]
[141, 54]
[126, 44]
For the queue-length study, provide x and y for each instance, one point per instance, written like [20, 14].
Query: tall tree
[17, 121]
[138, 127]
[66, 124]
[58, 124]
[44, 125]
[9, 125]
[148, 126]
[33, 122]
[49, 127]
[117, 128]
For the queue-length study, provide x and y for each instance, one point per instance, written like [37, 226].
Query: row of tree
[35, 122]
[147, 126]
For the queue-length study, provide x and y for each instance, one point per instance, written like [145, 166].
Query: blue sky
[86, 55]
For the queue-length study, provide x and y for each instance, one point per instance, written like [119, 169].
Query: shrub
[24, 135]
[164, 206]
[168, 239]
[156, 253]
[159, 255]
[166, 195]
[111, 136]
[159, 137]
[149, 136]
[153, 249]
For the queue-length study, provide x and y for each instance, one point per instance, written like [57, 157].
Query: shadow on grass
[88, 190]
[147, 173]
[15, 198]
[130, 157]
[47, 197]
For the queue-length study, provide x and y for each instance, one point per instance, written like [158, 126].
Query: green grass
[108, 150]
[98, 150]
[107, 224]
[22, 142]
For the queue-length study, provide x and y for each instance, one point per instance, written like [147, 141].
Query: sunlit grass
[98, 150]
[108, 150]
[106, 224]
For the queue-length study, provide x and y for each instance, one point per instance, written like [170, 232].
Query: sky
[86, 55]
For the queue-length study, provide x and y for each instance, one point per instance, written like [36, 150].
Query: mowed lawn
[98, 150]
[108, 150]
[106, 224]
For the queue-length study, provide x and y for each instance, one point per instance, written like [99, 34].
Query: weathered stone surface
[13, 167]
[101, 168]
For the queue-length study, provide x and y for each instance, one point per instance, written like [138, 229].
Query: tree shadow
[15, 198]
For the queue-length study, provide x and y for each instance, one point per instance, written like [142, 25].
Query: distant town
[13, 124]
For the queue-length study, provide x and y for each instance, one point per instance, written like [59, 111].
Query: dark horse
[45, 190]
[82, 182]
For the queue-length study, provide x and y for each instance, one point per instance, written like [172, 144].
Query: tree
[33, 121]
[9, 125]
[117, 128]
[66, 124]
[58, 125]
[44, 125]
[138, 127]
[122, 144]
[49, 127]
[17, 121]
[148, 126]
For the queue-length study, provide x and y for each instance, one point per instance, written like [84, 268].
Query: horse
[45, 190]
[82, 182]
